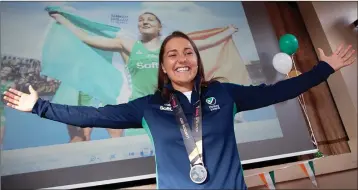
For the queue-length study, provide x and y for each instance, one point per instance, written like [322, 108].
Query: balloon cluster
[282, 61]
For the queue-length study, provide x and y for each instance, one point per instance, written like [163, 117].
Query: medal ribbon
[192, 138]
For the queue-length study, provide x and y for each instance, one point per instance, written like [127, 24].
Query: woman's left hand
[340, 58]
[234, 28]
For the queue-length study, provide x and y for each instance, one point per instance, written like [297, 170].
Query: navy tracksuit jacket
[220, 151]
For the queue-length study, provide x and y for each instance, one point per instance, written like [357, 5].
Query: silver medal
[198, 174]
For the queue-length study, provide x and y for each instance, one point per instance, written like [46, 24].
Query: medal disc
[198, 174]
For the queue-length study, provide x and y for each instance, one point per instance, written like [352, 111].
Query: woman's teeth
[182, 69]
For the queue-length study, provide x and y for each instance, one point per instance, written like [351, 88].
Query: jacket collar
[197, 80]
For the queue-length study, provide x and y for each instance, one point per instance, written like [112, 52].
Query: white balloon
[282, 63]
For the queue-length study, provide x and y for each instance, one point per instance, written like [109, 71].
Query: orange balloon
[294, 73]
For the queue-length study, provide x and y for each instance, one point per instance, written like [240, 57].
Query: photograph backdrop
[68, 59]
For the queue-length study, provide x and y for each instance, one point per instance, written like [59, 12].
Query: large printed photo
[101, 53]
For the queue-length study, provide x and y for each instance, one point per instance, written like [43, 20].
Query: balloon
[282, 63]
[294, 73]
[288, 44]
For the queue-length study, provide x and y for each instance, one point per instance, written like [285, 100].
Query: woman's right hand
[20, 100]
[58, 17]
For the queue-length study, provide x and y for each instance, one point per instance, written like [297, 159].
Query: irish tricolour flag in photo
[268, 179]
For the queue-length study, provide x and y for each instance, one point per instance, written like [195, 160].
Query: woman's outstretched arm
[100, 42]
[128, 115]
[254, 97]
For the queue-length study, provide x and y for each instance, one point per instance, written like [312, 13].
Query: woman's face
[180, 62]
[149, 25]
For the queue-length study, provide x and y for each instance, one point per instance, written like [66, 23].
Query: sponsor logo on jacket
[212, 104]
[166, 107]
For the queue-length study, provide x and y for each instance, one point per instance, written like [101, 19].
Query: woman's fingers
[348, 56]
[345, 51]
[19, 93]
[12, 105]
[339, 49]
[11, 95]
[11, 100]
[350, 61]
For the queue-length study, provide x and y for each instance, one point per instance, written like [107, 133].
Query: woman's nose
[182, 58]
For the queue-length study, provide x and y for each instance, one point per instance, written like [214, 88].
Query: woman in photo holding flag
[141, 56]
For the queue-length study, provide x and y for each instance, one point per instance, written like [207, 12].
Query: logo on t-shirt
[152, 65]
[152, 56]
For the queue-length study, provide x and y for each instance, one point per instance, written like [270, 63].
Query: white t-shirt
[188, 95]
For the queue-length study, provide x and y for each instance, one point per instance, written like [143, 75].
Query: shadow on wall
[347, 29]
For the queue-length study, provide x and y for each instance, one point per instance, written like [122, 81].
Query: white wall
[329, 24]
[335, 18]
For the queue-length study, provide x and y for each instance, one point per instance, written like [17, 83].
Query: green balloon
[288, 44]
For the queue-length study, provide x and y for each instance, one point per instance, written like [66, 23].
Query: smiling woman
[204, 155]
[106, 160]
[180, 64]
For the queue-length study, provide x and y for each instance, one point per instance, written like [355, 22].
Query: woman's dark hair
[163, 78]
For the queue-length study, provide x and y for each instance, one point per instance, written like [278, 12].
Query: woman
[140, 56]
[212, 162]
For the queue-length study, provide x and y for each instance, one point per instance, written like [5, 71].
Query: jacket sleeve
[120, 116]
[254, 97]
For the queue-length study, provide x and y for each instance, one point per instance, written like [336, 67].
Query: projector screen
[39, 153]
